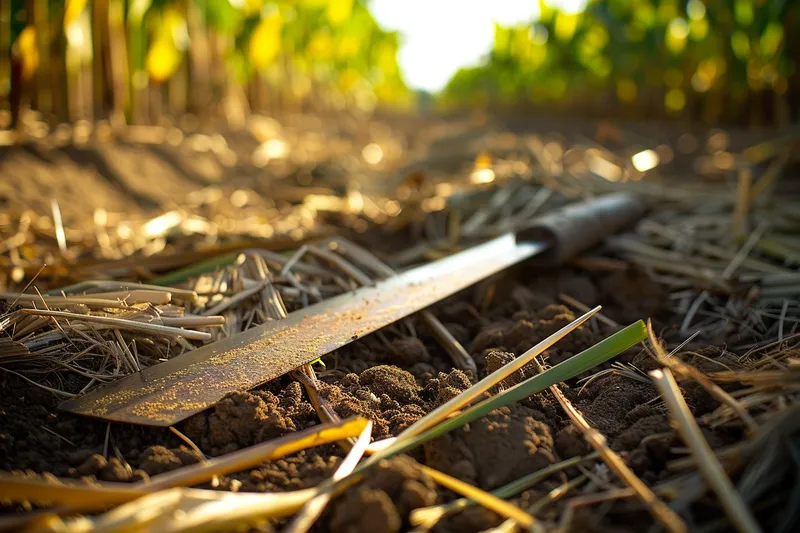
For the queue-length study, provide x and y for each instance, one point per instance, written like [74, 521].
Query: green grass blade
[587, 359]
[466, 397]
[182, 274]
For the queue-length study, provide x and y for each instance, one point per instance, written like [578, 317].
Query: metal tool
[169, 392]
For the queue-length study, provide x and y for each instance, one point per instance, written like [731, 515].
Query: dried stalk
[94, 497]
[122, 323]
[466, 397]
[314, 507]
[660, 511]
[685, 371]
[460, 356]
[486, 499]
[427, 517]
[737, 510]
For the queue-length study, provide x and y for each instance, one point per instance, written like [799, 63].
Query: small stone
[115, 471]
[92, 465]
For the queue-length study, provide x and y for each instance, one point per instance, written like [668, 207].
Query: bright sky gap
[442, 36]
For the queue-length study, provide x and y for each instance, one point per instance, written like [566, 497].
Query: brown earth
[393, 379]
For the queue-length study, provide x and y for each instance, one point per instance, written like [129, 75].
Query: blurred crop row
[137, 60]
[732, 60]
[140, 60]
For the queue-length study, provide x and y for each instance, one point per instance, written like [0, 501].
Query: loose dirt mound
[394, 378]
[384, 500]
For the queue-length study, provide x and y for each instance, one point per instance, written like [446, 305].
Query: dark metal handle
[577, 227]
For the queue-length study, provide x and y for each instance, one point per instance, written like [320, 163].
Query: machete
[169, 392]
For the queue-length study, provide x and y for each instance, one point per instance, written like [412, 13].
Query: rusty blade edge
[169, 392]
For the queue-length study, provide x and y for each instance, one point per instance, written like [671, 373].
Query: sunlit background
[138, 61]
[441, 36]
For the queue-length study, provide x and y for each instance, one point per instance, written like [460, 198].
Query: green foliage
[637, 52]
[335, 46]
[586, 360]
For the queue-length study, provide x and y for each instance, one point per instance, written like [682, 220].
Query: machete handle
[579, 226]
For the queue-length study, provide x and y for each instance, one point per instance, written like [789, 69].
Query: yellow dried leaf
[73, 10]
[25, 49]
[339, 11]
[265, 43]
[163, 59]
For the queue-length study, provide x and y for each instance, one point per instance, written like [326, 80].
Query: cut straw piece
[493, 503]
[189, 442]
[305, 375]
[89, 287]
[59, 301]
[294, 259]
[75, 495]
[737, 510]
[660, 511]
[193, 321]
[123, 323]
[340, 263]
[135, 296]
[554, 495]
[427, 517]
[314, 507]
[457, 353]
[266, 451]
[238, 297]
[575, 365]
[446, 340]
[466, 397]
[61, 236]
[93, 497]
[183, 510]
[744, 251]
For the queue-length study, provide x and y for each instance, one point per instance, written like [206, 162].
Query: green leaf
[572, 367]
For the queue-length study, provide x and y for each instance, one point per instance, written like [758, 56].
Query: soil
[393, 489]
[394, 378]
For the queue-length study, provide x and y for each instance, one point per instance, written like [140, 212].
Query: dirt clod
[366, 510]
[115, 471]
[493, 450]
[409, 351]
[445, 387]
[159, 459]
[472, 519]
[497, 359]
[527, 328]
[386, 497]
[396, 383]
[570, 443]
[92, 465]
[244, 418]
